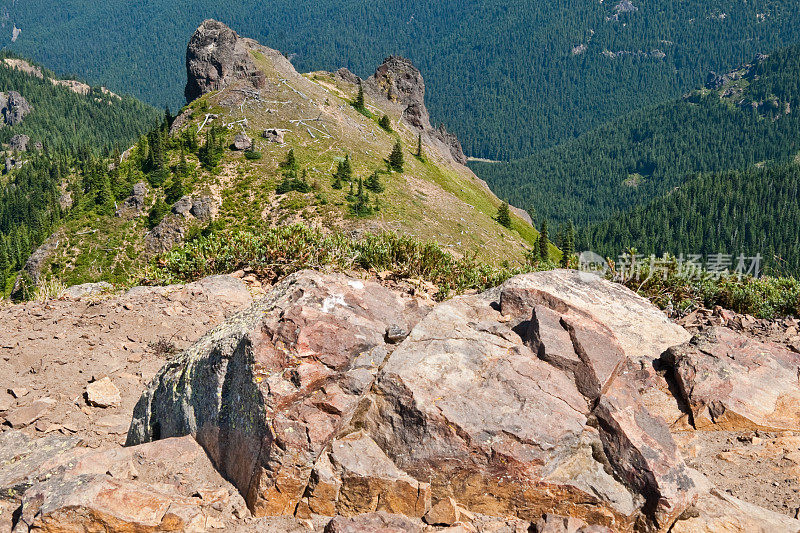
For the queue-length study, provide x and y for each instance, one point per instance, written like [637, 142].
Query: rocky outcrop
[730, 381]
[169, 232]
[19, 143]
[315, 345]
[452, 142]
[401, 82]
[398, 80]
[32, 271]
[133, 204]
[14, 107]
[216, 56]
[516, 402]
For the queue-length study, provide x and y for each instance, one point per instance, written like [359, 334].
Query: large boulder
[267, 392]
[515, 403]
[217, 56]
[14, 107]
[731, 381]
[153, 487]
[400, 81]
[506, 414]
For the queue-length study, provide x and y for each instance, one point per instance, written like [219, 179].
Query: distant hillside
[68, 115]
[750, 212]
[748, 116]
[264, 147]
[508, 77]
[51, 128]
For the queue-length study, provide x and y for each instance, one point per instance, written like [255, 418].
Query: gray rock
[183, 206]
[14, 107]
[19, 143]
[452, 142]
[274, 135]
[395, 334]
[345, 75]
[242, 142]
[165, 236]
[34, 265]
[217, 56]
[401, 82]
[204, 209]
[134, 204]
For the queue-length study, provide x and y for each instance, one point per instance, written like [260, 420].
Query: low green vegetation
[278, 252]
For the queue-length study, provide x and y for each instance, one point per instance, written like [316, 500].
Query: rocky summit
[556, 401]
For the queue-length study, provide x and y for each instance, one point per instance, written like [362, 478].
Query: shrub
[157, 213]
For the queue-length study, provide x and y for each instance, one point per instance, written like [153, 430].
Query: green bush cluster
[278, 252]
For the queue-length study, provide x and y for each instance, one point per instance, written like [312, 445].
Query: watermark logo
[640, 267]
[591, 264]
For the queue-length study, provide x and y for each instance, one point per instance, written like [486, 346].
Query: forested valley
[509, 78]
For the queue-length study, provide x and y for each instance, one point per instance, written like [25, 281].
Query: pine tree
[5, 266]
[533, 256]
[568, 248]
[419, 146]
[157, 213]
[175, 191]
[385, 123]
[504, 215]
[105, 198]
[396, 158]
[358, 103]
[373, 183]
[344, 172]
[544, 243]
[290, 163]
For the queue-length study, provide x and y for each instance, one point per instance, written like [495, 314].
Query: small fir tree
[374, 184]
[396, 158]
[385, 123]
[358, 103]
[504, 215]
[544, 243]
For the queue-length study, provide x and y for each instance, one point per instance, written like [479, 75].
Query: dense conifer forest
[739, 212]
[77, 133]
[509, 78]
[644, 155]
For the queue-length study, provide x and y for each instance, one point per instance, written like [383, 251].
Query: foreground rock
[516, 402]
[731, 381]
[165, 486]
[268, 391]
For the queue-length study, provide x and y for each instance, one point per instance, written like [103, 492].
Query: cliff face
[399, 81]
[215, 57]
